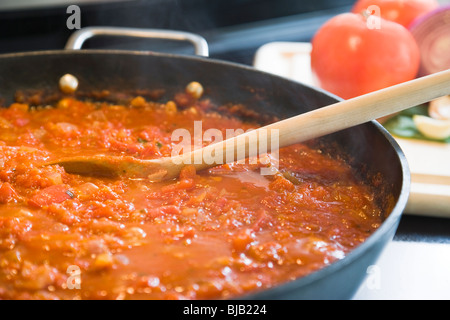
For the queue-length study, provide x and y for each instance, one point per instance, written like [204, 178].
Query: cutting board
[429, 161]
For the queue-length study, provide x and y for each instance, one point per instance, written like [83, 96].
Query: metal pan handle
[77, 38]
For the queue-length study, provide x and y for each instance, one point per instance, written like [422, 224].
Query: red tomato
[350, 59]
[400, 11]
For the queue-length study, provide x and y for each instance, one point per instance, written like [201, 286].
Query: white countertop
[409, 271]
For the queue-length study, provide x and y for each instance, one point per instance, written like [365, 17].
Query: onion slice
[432, 34]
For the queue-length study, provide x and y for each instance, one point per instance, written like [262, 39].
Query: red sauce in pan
[216, 234]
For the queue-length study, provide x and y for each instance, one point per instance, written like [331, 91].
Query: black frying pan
[369, 148]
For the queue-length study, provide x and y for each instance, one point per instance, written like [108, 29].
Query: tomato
[350, 59]
[400, 11]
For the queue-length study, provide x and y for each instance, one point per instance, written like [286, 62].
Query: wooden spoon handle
[361, 109]
[326, 120]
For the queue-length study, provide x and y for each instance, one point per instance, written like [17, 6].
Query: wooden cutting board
[430, 177]
[429, 161]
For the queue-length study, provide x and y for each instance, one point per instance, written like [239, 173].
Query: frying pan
[369, 148]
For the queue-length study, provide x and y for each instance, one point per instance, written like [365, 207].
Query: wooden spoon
[313, 124]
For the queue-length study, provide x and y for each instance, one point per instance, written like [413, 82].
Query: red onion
[432, 33]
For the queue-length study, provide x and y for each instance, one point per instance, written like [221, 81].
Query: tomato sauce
[221, 233]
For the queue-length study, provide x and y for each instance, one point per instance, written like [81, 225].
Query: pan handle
[77, 38]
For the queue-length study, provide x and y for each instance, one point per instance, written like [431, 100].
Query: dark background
[234, 28]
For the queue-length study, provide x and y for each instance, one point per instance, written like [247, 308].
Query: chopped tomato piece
[53, 194]
[188, 172]
[7, 193]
